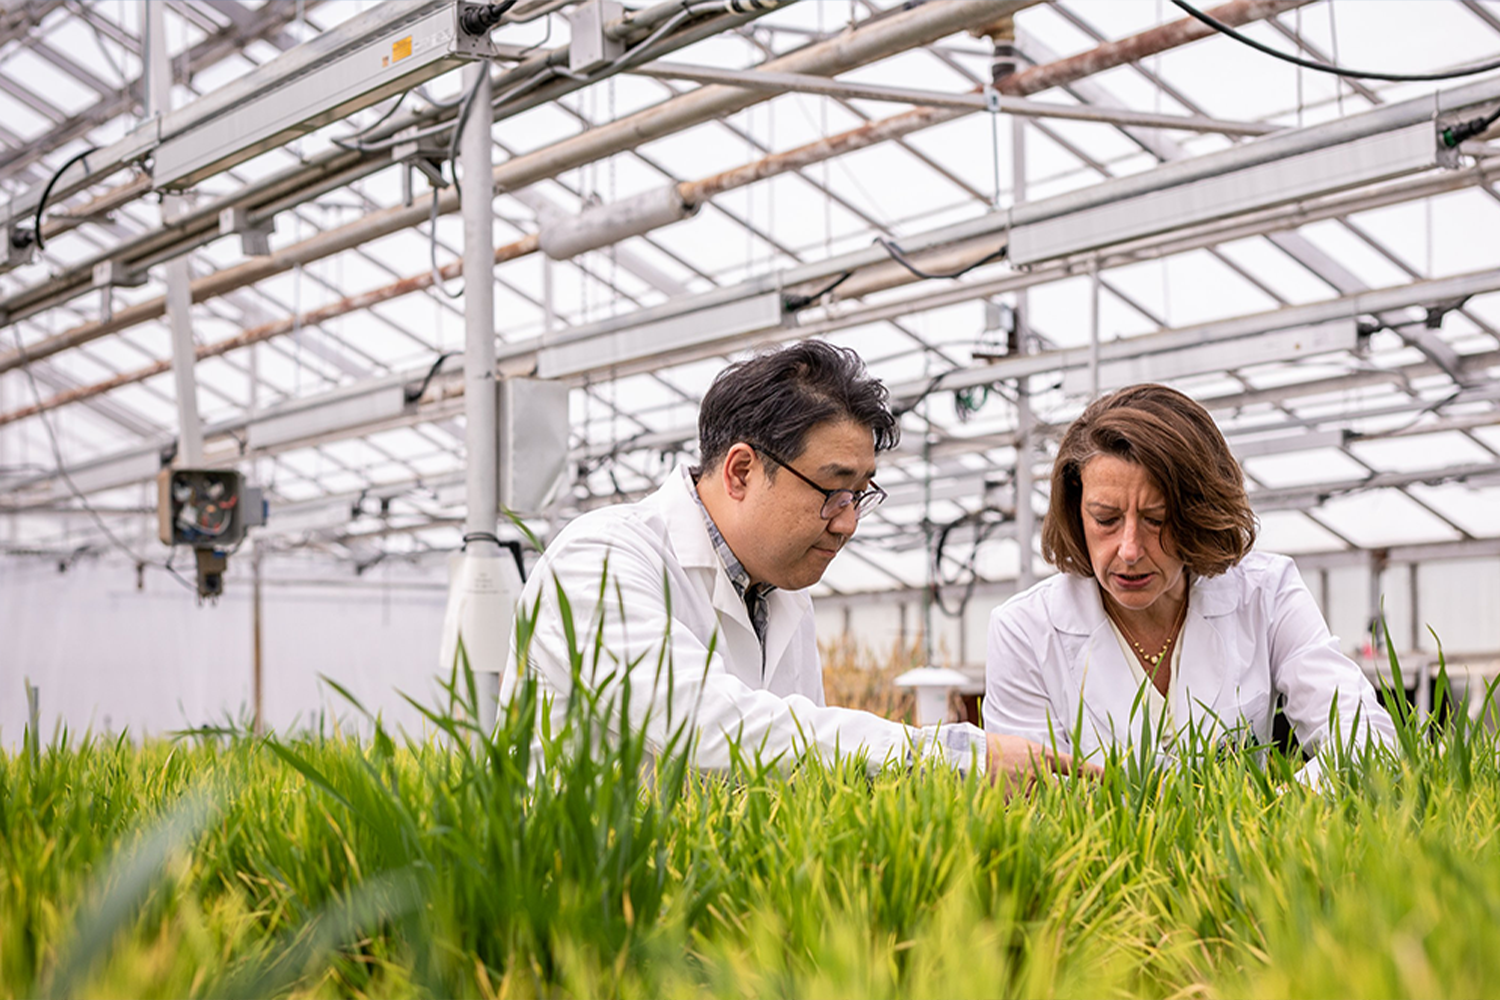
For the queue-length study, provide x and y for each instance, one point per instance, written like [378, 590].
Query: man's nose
[845, 522]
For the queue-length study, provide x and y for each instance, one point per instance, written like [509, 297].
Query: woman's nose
[1130, 545]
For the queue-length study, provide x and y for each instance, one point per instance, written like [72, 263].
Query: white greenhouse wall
[1461, 601]
[107, 656]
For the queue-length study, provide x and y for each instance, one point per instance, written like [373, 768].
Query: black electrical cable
[1455, 134]
[480, 19]
[354, 142]
[899, 256]
[412, 395]
[458, 129]
[981, 535]
[796, 302]
[41, 206]
[506, 543]
[927, 390]
[1323, 67]
[67, 479]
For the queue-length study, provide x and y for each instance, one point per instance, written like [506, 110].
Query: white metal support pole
[481, 416]
[1094, 330]
[179, 278]
[1414, 603]
[480, 404]
[1025, 516]
[549, 311]
[5, 459]
[1378, 559]
[257, 644]
[1424, 665]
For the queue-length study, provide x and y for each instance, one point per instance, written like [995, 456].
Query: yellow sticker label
[400, 50]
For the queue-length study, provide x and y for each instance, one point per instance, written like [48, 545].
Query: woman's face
[1123, 519]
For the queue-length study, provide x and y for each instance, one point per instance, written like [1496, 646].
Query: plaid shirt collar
[753, 594]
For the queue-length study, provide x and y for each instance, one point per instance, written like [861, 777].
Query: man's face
[785, 541]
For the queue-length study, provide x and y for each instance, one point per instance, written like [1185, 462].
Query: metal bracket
[115, 274]
[112, 274]
[426, 155]
[991, 98]
[1448, 157]
[255, 235]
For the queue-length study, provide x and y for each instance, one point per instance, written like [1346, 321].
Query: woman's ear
[738, 466]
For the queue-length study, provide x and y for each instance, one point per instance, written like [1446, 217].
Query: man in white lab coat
[704, 582]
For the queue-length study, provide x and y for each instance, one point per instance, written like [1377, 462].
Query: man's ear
[739, 463]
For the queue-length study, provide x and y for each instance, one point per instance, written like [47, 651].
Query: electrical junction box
[534, 425]
[590, 48]
[205, 508]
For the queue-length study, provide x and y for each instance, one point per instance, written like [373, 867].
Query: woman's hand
[1015, 763]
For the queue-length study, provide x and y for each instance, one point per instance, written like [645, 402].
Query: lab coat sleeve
[1310, 672]
[678, 682]
[1015, 691]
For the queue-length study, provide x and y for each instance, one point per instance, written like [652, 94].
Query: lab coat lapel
[1205, 663]
[695, 552]
[1099, 671]
[783, 623]
[736, 634]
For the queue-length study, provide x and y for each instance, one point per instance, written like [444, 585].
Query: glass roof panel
[1303, 468]
[1292, 532]
[47, 83]
[1385, 517]
[1420, 452]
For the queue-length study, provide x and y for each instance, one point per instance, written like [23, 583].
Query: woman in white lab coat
[1162, 618]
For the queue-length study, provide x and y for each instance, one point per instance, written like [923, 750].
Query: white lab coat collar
[1076, 607]
[695, 550]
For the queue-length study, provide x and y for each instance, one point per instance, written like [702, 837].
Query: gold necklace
[1155, 661]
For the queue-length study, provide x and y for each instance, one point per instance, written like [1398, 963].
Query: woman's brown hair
[1209, 524]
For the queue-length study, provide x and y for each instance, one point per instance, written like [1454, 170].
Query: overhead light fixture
[652, 340]
[1361, 161]
[1217, 356]
[374, 55]
[323, 417]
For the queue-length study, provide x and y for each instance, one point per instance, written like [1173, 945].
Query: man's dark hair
[775, 398]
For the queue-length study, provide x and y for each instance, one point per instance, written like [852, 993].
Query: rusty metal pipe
[278, 328]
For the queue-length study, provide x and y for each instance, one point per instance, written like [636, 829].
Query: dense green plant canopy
[225, 865]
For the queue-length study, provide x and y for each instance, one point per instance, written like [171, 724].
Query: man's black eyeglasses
[835, 502]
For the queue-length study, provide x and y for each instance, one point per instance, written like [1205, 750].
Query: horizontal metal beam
[338, 167]
[1379, 300]
[1288, 317]
[1309, 497]
[993, 100]
[1468, 548]
[994, 225]
[691, 192]
[867, 43]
